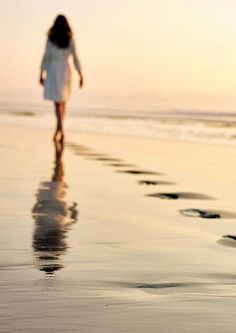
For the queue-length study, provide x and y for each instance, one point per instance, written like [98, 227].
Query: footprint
[76, 146]
[154, 182]
[155, 288]
[163, 285]
[79, 150]
[139, 172]
[121, 165]
[92, 156]
[230, 237]
[22, 113]
[172, 196]
[228, 240]
[208, 214]
[180, 195]
[205, 214]
[107, 159]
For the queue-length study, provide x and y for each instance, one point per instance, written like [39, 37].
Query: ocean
[214, 127]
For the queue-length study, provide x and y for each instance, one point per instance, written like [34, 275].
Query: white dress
[55, 62]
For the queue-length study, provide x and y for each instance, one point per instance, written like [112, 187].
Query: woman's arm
[77, 63]
[81, 80]
[41, 78]
[45, 62]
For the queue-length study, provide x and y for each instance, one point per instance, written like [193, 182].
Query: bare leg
[63, 110]
[60, 114]
[58, 132]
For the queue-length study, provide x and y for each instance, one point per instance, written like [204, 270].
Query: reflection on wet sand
[53, 217]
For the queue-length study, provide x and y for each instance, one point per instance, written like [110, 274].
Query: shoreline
[170, 126]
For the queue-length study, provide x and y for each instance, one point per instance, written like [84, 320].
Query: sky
[180, 53]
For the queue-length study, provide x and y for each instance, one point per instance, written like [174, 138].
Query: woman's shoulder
[49, 42]
[72, 41]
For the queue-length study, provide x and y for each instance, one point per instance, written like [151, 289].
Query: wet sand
[106, 235]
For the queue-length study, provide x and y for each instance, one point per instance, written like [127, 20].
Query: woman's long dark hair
[60, 33]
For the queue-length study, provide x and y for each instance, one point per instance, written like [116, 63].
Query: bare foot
[58, 137]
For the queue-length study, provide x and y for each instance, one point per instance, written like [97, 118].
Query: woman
[55, 74]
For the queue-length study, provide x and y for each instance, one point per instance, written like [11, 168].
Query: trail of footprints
[128, 168]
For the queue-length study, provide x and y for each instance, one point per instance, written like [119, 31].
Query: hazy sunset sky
[176, 50]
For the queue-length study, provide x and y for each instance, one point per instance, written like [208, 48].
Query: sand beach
[115, 234]
[117, 167]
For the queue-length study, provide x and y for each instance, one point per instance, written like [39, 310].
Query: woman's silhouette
[53, 217]
[55, 74]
